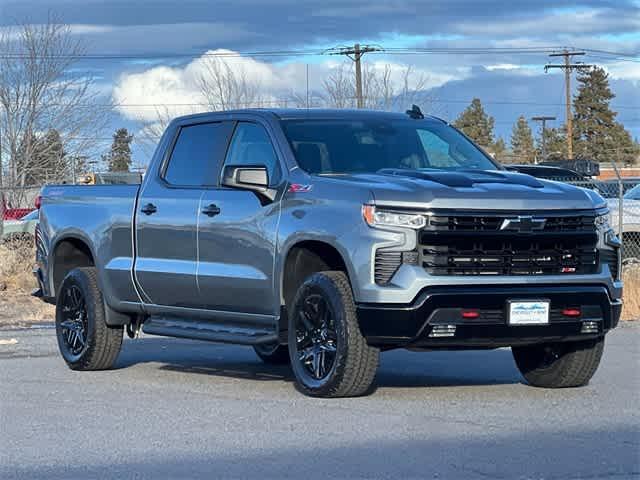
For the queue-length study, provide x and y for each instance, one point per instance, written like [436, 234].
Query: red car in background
[9, 213]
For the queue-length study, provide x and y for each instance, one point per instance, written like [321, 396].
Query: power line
[158, 56]
[319, 52]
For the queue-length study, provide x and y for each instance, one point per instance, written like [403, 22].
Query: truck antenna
[415, 112]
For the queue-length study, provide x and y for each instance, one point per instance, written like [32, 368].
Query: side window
[197, 153]
[251, 145]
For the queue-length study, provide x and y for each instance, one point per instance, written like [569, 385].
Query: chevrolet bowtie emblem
[523, 224]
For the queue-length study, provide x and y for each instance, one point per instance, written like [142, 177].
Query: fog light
[571, 312]
[470, 314]
[439, 331]
[589, 327]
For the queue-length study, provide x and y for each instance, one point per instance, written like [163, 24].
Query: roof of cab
[311, 113]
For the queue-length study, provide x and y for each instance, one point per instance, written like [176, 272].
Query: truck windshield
[365, 146]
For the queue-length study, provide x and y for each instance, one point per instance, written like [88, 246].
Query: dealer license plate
[528, 312]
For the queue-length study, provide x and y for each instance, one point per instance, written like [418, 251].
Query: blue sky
[509, 84]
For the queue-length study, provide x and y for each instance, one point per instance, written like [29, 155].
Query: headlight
[387, 218]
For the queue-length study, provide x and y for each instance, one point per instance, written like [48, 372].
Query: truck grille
[487, 223]
[486, 245]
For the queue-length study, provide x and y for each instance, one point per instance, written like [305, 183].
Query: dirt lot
[18, 308]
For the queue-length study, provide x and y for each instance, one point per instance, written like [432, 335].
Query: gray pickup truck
[323, 237]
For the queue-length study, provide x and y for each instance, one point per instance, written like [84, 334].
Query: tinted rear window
[198, 152]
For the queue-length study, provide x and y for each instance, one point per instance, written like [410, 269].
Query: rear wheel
[273, 353]
[85, 340]
[559, 365]
[329, 355]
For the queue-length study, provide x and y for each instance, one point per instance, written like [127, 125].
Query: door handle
[149, 209]
[211, 210]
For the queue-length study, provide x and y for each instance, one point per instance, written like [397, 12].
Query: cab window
[251, 145]
[198, 151]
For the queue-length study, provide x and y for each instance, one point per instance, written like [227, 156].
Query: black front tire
[559, 365]
[85, 340]
[273, 354]
[354, 363]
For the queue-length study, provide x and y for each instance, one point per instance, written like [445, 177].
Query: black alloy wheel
[73, 325]
[316, 337]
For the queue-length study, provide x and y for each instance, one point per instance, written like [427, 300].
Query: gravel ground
[182, 409]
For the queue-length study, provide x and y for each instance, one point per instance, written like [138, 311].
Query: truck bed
[102, 215]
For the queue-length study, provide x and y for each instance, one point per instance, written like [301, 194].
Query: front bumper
[434, 319]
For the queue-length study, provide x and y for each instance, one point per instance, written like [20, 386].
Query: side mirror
[254, 178]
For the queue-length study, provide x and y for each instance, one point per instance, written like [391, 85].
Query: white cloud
[503, 66]
[624, 70]
[84, 29]
[170, 91]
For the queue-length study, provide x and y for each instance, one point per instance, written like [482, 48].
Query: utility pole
[543, 120]
[568, 67]
[355, 53]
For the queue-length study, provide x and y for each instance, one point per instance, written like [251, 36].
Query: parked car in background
[560, 174]
[549, 172]
[630, 221]
[612, 185]
[10, 213]
[25, 226]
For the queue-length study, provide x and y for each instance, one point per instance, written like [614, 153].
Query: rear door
[168, 214]
[237, 243]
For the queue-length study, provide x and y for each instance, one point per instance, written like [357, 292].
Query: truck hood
[474, 190]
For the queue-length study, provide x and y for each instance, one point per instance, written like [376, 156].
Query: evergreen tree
[119, 158]
[597, 135]
[522, 142]
[47, 162]
[476, 124]
[499, 150]
[555, 144]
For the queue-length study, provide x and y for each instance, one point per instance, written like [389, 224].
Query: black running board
[202, 330]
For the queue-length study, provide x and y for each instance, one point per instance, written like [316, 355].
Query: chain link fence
[623, 199]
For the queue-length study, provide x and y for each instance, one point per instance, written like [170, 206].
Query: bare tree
[150, 132]
[149, 135]
[398, 92]
[225, 85]
[39, 92]
[339, 88]
[412, 88]
[382, 87]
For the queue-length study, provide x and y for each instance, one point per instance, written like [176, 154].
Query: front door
[168, 214]
[237, 243]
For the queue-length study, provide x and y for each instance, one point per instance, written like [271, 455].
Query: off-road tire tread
[574, 368]
[361, 362]
[106, 341]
